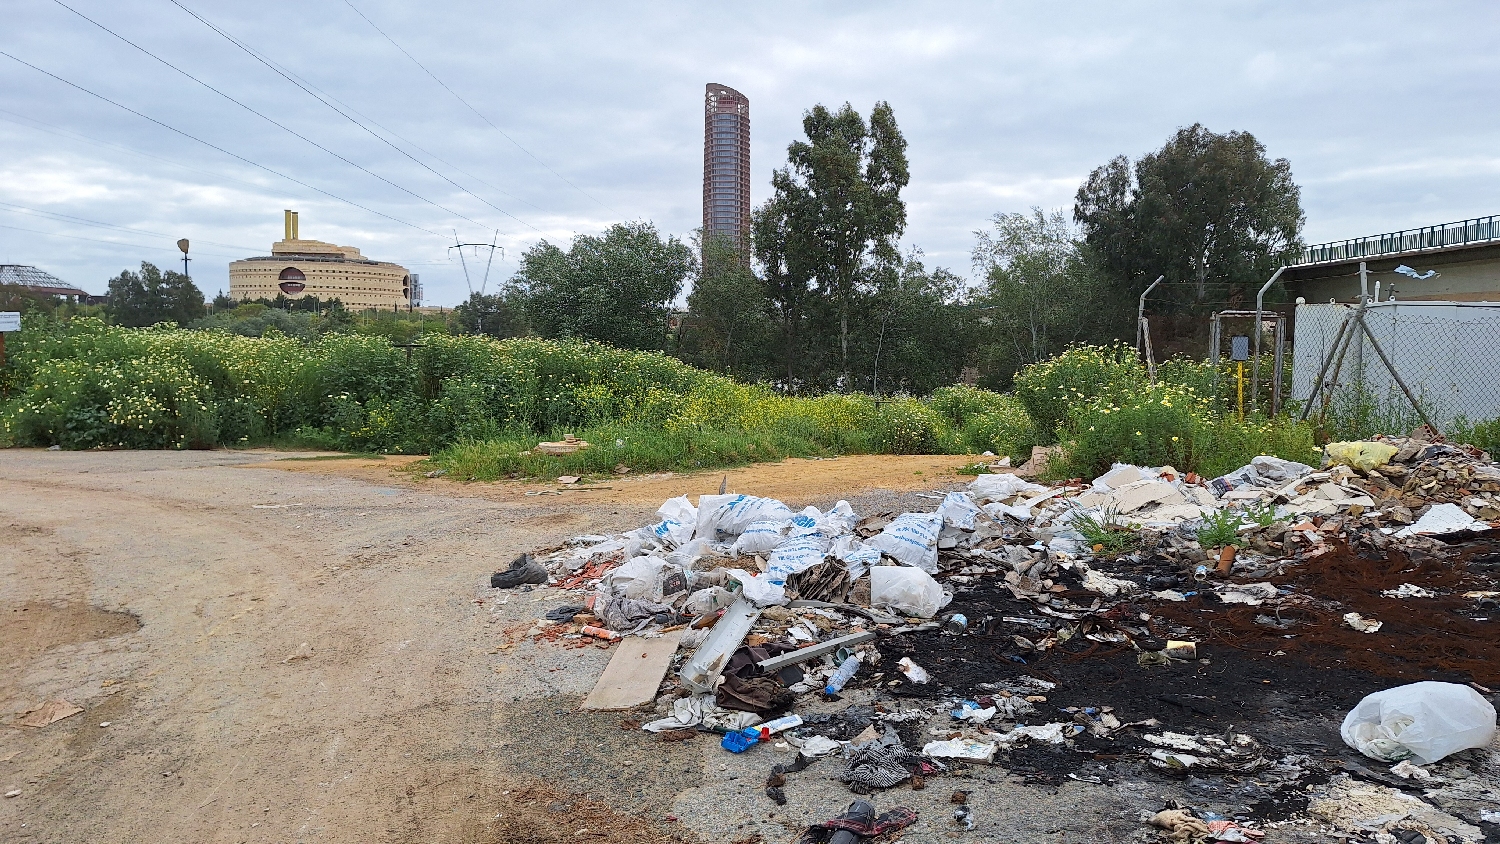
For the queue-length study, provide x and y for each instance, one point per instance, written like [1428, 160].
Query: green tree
[494, 314]
[916, 334]
[1041, 292]
[785, 280]
[727, 328]
[1210, 212]
[839, 199]
[615, 289]
[152, 297]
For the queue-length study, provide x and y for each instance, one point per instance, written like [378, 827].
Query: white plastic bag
[795, 555]
[856, 556]
[729, 515]
[1422, 721]
[958, 510]
[911, 539]
[760, 538]
[996, 487]
[758, 589]
[640, 578]
[906, 590]
[707, 600]
[678, 520]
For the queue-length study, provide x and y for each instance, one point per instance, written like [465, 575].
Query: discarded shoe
[523, 570]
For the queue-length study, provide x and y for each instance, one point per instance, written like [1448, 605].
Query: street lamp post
[183, 245]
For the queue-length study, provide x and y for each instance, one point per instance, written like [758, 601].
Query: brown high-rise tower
[726, 163]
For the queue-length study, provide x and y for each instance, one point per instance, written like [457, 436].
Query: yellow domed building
[299, 268]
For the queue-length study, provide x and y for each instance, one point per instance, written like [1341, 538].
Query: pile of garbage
[773, 610]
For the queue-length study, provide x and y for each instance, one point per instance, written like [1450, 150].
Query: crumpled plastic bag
[640, 578]
[906, 590]
[996, 487]
[856, 556]
[911, 538]
[795, 555]
[759, 589]
[707, 600]
[728, 515]
[1423, 722]
[1361, 455]
[700, 710]
[679, 518]
[760, 537]
[959, 510]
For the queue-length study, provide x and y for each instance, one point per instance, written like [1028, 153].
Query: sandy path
[422, 713]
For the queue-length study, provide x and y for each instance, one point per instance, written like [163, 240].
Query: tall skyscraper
[726, 163]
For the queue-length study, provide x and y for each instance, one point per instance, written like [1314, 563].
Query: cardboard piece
[52, 710]
[634, 673]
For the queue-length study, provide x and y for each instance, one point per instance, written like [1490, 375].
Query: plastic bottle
[842, 676]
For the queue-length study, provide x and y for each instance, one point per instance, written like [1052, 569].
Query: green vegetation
[1106, 534]
[478, 404]
[1098, 402]
[1220, 528]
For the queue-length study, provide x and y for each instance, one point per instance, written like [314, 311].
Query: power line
[68, 218]
[108, 242]
[53, 129]
[376, 135]
[264, 117]
[215, 147]
[475, 110]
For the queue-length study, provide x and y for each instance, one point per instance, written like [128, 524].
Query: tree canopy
[838, 202]
[615, 289]
[153, 296]
[1210, 212]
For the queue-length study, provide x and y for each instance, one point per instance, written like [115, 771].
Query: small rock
[303, 651]
[13, 793]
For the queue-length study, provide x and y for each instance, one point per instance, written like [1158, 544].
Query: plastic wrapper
[1361, 455]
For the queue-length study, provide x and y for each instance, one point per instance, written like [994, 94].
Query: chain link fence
[1447, 353]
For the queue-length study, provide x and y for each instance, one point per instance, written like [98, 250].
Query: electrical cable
[215, 147]
[68, 218]
[53, 129]
[264, 117]
[475, 110]
[376, 135]
[111, 242]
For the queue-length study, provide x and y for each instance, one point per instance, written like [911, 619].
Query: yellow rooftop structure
[297, 268]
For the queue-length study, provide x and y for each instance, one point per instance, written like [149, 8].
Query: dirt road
[170, 596]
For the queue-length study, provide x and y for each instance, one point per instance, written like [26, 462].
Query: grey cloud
[1381, 108]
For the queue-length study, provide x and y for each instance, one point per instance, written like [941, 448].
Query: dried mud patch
[34, 627]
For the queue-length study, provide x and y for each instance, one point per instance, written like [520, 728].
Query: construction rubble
[1148, 623]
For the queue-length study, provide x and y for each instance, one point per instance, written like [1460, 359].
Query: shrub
[1049, 389]
[1484, 435]
[1005, 429]
[1164, 424]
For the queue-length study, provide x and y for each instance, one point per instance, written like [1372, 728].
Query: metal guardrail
[1477, 230]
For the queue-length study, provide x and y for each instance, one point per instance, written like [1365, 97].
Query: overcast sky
[1387, 112]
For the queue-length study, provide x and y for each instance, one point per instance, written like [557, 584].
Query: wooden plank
[634, 673]
[776, 663]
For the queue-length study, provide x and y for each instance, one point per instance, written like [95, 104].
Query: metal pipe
[1140, 312]
[1255, 365]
